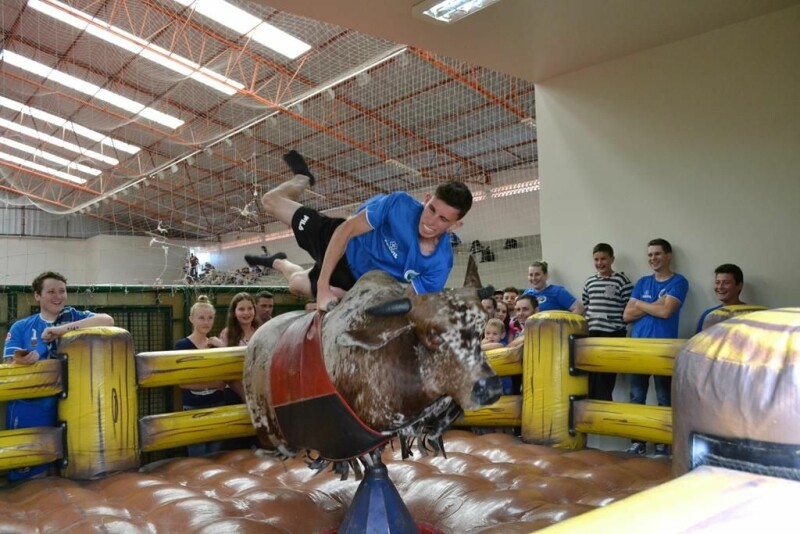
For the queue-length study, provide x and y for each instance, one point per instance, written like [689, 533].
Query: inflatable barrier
[735, 389]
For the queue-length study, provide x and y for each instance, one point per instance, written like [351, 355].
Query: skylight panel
[249, 25]
[72, 82]
[45, 138]
[41, 168]
[58, 160]
[68, 125]
[136, 45]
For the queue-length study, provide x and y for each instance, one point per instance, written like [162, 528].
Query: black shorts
[313, 231]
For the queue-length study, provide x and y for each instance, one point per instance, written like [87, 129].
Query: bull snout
[487, 390]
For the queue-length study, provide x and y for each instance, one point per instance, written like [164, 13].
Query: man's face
[488, 306]
[53, 297]
[265, 307]
[657, 258]
[726, 289]
[523, 310]
[437, 217]
[509, 297]
[603, 263]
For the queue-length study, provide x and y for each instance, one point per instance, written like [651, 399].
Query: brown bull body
[387, 370]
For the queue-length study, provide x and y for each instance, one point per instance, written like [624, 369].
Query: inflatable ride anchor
[377, 506]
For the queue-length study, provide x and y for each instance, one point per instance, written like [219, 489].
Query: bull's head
[448, 327]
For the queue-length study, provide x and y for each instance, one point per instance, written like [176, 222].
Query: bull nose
[487, 390]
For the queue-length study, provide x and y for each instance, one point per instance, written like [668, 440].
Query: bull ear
[371, 338]
[392, 307]
[485, 292]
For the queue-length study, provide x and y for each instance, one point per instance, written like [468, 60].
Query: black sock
[264, 261]
[298, 165]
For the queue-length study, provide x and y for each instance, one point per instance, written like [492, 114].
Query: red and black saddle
[310, 411]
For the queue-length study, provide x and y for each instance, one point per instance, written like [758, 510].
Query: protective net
[140, 133]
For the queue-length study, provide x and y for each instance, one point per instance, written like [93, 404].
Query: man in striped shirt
[605, 295]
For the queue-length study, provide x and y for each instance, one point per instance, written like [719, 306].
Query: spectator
[494, 334]
[504, 315]
[265, 304]
[498, 295]
[654, 309]
[550, 297]
[510, 295]
[242, 323]
[395, 233]
[728, 285]
[605, 295]
[489, 305]
[36, 338]
[202, 394]
[525, 306]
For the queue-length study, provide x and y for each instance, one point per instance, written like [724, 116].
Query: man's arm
[100, 319]
[663, 308]
[352, 227]
[632, 312]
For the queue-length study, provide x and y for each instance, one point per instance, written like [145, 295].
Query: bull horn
[392, 307]
[485, 292]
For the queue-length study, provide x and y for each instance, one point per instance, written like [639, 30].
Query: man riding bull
[394, 233]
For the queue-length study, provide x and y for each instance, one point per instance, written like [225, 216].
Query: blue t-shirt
[648, 289]
[26, 333]
[393, 245]
[703, 317]
[552, 298]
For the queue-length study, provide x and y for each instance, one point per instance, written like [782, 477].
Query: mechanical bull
[379, 364]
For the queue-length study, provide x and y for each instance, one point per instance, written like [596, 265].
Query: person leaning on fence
[605, 295]
[201, 395]
[35, 338]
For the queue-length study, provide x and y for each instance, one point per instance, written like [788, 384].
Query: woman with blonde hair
[202, 394]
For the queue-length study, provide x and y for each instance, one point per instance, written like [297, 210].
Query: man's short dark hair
[456, 195]
[264, 295]
[603, 247]
[38, 282]
[660, 242]
[511, 290]
[730, 268]
[530, 298]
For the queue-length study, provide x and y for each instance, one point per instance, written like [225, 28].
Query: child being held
[494, 334]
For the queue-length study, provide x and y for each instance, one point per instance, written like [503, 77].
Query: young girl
[503, 313]
[242, 321]
[242, 324]
[202, 394]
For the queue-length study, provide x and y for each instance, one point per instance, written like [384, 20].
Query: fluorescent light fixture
[249, 25]
[72, 82]
[41, 168]
[67, 125]
[450, 11]
[135, 45]
[30, 132]
[37, 153]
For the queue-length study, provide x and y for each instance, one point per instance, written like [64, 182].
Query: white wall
[99, 260]
[697, 142]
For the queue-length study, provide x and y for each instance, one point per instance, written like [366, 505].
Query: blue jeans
[641, 383]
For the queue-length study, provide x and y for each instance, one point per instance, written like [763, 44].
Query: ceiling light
[30, 132]
[90, 89]
[67, 125]
[449, 11]
[174, 168]
[37, 153]
[249, 25]
[41, 168]
[128, 41]
[529, 122]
